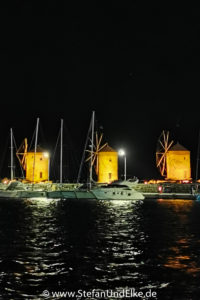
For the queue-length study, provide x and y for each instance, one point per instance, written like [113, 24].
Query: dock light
[121, 152]
[46, 154]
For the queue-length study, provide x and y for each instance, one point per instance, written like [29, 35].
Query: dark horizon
[136, 66]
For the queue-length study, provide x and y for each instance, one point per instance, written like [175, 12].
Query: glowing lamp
[46, 154]
[121, 152]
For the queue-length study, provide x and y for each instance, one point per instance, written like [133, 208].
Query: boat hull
[22, 194]
[116, 194]
[96, 193]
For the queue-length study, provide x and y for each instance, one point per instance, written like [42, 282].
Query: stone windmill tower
[35, 164]
[173, 162]
[104, 160]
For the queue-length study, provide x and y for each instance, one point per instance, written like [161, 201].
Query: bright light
[185, 181]
[46, 154]
[121, 152]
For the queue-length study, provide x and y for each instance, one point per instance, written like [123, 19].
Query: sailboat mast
[61, 151]
[197, 163]
[92, 148]
[35, 150]
[11, 154]
[83, 156]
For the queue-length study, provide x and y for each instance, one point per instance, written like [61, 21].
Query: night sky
[137, 66]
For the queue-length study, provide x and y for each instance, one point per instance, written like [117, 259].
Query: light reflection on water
[70, 245]
[184, 251]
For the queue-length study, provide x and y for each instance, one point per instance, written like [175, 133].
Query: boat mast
[197, 163]
[61, 151]
[92, 149]
[11, 154]
[35, 150]
[83, 156]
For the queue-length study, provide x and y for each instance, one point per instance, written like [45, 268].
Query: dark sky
[137, 66]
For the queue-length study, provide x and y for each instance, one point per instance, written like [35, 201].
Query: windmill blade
[99, 142]
[93, 160]
[165, 141]
[93, 155]
[89, 151]
[161, 159]
[89, 157]
[97, 166]
[103, 146]
[163, 147]
[169, 146]
[22, 152]
[157, 158]
[163, 166]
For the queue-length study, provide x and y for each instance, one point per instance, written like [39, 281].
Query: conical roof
[178, 147]
[107, 148]
[39, 149]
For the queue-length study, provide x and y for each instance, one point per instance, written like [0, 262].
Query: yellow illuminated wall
[107, 165]
[178, 163]
[41, 169]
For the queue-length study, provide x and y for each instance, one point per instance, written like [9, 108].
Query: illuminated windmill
[163, 145]
[36, 164]
[104, 159]
[93, 155]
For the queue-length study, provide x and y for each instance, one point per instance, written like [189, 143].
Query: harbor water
[49, 248]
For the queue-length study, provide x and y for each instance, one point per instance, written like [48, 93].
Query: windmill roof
[178, 147]
[107, 148]
[39, 149]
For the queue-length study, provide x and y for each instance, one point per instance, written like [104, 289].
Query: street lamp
[47, 156]
[121, 152]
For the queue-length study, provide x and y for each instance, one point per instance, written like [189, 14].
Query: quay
[164, 190]
[168, 190]
[169, 196]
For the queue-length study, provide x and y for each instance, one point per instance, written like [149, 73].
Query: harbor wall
[188, 188]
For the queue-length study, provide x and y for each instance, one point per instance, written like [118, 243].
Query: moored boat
[99, 192]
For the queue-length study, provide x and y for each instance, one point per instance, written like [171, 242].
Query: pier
[162, 190]
[167, 190]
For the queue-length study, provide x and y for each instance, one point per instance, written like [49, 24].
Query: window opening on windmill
[40, 174]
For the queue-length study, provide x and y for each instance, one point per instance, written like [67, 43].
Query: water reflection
[70, 245]
[183, 252]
